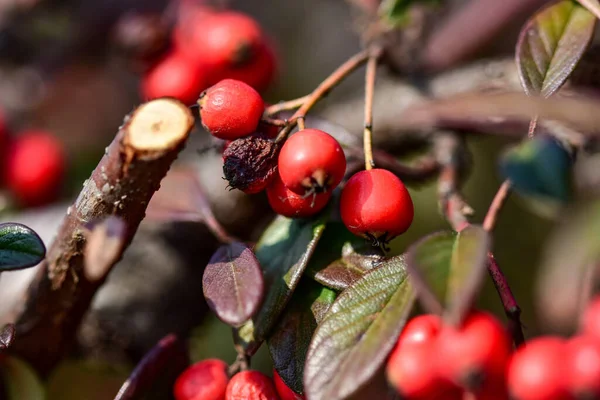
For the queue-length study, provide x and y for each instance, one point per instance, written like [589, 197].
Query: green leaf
[551, 44]
[20, 247]
[283, 251]
[20, 380]
[357, 334]
[448, 270]
[289, 342]
[540, 169]
[396, 12]
[467, 271]
[569, 267]
[428, 262]
[341, 258]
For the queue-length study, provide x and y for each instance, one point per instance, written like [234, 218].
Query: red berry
[537, 371]
[311, 161]
[412, 372]
[475, 353]
[174, 76]
[231, 109]
[259, 72]
[583, 366]
[35, 168]
[285, 393]
[287, 203]
[590, 320]
[375, 204]
[421, 329]
[251, 385]
[222, 39]
[205, 380]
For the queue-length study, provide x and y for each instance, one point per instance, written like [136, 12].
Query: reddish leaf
[233, 284]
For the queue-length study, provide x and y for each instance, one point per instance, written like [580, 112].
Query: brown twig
[489, 222]
[286, 105]
[329, 83]
[121, 185]
[370, 76]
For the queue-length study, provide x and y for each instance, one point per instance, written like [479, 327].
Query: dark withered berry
[250, 163]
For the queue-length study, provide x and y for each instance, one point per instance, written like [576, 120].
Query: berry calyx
[251, 385]
[413, 373]
[174, 76]
[376, 205]
[289, 204]
[231, 109]
[537, 371]
[311, 161]
[285, 393]
[204, 380]
[35, 168]
[590, 320]
[250, 163]
[475, 353]
[583, 367]
[420, 329]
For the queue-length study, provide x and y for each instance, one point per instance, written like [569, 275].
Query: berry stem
[323, 89]
[532, 126]
[489, 222]
[370, 76]
[286, 105]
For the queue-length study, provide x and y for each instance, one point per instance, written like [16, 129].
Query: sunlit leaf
[233, 284]
[551, 44]
[283, 251]
[358, 332]
[396, 12]
[20, 247]
[291, 336]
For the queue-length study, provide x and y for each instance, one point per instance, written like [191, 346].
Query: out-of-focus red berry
[251, 385]
[420, 329]
[175, 76]
[590, 320]
[537, 371]
[476, 352]
[205, 380]
[35, 168]
[583, 366]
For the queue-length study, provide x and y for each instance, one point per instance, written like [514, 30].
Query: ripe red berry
[285, 393]
[258, 72]
[251, 385]
[174, 76]
[375, 204]
[537, 371]
[311, 161]
[231, 109]
[413, 373]
[590, 320]
[205, 380]
[583, 366]
[222, 39]
[421, 329]
[287, 203]
[476, 352]
[35, 168]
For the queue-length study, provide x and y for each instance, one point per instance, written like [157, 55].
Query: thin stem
[274, 121]
[491, 217]
[301, 125]
[370, 77]
[286, 105]
[332, 80]
[532, 126]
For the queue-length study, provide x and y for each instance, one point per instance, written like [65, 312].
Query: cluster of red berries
[435, 361]
[209, 380]
[32, 166]
[300, 176]
[208, 46]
